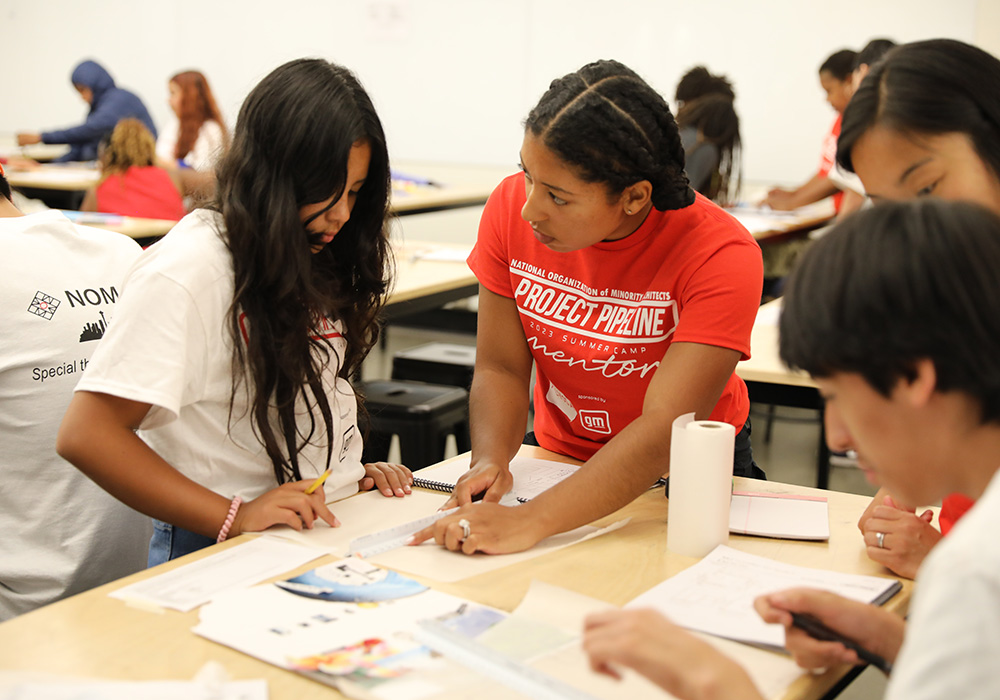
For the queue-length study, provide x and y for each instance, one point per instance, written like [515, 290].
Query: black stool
[439, 363]
[421, 414]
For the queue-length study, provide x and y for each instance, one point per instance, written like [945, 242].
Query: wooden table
[422, 284]
[453, 185]
[770, 381]
[768, 226]
[94, 635]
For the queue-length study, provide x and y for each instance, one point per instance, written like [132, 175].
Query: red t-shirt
[146, 192]
[599, 320]
[829, 157]
[953, 507]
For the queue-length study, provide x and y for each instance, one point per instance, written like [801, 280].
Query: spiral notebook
[531, 476]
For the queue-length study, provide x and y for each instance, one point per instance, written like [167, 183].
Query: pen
[817, 630]
[319, 482]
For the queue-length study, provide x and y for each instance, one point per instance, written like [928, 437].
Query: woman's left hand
[390, 479]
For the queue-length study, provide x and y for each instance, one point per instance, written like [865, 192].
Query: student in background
[710, 136]
[109, 104]
[835, 76]
[237, 333]
[699, 82]
[905, 350]
[867, 57]
[633, 297]
[62, 533]
[196, 137]
[922, 124]
[130, 184]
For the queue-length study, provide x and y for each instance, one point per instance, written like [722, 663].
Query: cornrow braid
[615, 129]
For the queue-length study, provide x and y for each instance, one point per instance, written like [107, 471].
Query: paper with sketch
[360, 515]
[372, 512]
[194, 584]
[716, 595]
[531, 475]
[432, 561]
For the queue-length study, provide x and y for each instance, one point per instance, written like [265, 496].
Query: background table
[770, 381]
[94, 635]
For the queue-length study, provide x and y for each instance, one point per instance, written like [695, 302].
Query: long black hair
[290, 148]
[929, 88]
[614, 129]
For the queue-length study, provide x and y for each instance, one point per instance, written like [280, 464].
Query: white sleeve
[208, 148]
[953, 637]
[154, 351]
[167, 141]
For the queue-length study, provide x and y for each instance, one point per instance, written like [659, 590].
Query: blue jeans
[169, 542]
[743, 464]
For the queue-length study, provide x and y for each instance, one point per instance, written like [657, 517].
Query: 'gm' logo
[596, 421]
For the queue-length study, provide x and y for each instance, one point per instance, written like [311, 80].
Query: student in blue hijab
[108, 105]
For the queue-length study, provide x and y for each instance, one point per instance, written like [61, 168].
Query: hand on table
[28, 138]
[493, 479]
[493, 529]
[871, 627]
[22, 163]
[666, 654]
[779, 199]
[390, 479]
[906, 537]
[289, 504]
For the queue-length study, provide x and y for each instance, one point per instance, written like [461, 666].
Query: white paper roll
[701, 471]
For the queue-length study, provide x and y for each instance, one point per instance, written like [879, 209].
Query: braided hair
[613, 128]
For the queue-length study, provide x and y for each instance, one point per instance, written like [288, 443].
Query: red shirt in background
[146, 192]
[829, 157]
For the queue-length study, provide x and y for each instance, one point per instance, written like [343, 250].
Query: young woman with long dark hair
[197, 136]
[925, 121]
[236, 335]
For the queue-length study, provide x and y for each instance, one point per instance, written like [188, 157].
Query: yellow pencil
[319, 482]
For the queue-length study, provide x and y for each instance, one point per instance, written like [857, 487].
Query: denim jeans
[743, 464]
[169, 542]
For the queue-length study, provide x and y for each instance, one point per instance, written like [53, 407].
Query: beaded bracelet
[233, 507]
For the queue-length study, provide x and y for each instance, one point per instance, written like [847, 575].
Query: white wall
[453, 79]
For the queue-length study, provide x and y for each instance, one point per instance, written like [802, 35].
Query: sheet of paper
[566, 610]
[437, 563]
[783, 516]
[362, 514]
[716, 595]
[768, 315]
[129, 690]
[194, 584]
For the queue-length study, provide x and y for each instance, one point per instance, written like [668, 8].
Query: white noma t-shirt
[60, 533]
[171, 347]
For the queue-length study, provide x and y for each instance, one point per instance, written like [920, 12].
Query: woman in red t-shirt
[631, 296]
[131, 185]
[919, 124]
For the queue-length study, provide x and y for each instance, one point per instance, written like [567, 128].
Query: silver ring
[466, 530]
[880, 539]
